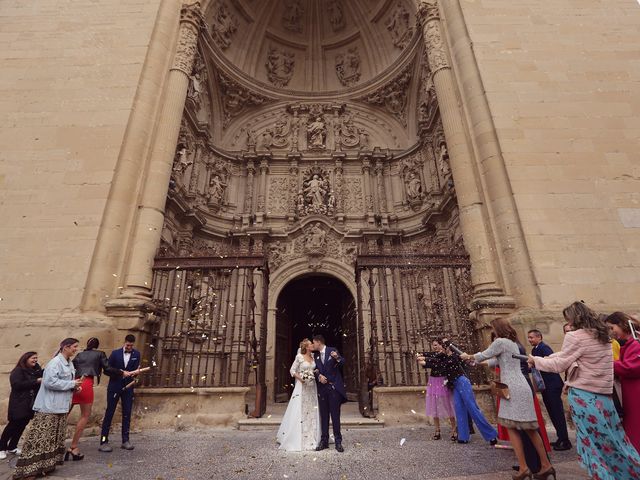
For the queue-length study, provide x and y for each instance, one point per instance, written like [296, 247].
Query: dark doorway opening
[308, 306]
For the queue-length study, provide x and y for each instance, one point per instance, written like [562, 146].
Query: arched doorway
[310, 305]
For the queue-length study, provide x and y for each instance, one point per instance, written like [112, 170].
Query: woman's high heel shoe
[523, 475]
[550, 472]
[437, 435]
[74, 456]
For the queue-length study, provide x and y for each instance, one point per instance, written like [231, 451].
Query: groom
[331, 392]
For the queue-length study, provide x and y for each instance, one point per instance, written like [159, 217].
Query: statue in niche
[224, 26]
[300, 204]
[217, 188]
[279, 65]
[252, 140]
[348, 67]
[316, 134]
[336, 15]
[314, 191]
[400, 26]
[413, 186]
[443, 159]
[292, 15]
[331, 202]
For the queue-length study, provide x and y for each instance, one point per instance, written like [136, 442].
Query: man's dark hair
[130, 339]
[536, 332]
[319, 338]
[93, 343]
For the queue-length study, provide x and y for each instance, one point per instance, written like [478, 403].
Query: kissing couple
[319, 393]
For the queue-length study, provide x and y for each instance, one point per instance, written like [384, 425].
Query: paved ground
[231, 454]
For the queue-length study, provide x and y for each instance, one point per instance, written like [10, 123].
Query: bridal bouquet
[308, 377]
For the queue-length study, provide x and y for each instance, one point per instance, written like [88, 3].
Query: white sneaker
[3, 454]
[16, 451]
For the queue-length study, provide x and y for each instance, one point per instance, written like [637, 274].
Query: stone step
[273, 422]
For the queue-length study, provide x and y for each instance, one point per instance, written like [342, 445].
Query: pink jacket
[590, 362]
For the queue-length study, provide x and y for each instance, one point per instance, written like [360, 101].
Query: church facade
[225, 178]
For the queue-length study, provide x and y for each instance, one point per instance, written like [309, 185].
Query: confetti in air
[402, 440]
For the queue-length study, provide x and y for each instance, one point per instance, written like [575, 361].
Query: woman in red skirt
[89, 365]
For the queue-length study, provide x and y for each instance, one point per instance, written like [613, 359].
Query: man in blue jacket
[127, 360]
[331, 391]
[552, 394]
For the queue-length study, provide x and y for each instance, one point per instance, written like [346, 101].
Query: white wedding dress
[300, 427]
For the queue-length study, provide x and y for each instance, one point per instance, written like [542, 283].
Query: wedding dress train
[300, 427]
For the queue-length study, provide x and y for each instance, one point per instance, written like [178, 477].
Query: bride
[300, 427]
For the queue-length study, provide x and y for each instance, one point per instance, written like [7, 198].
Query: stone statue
[363, 137]
[279, 66]
[251, 138]
[315, 191]
[336, 15]
[266, 140]
[224, 26]
[348, 67]
[292, 15]
[443, 159]
[331, 203]
[216, 189]
[316, 134]
[181, 162]
[414, 186]
[300, 203]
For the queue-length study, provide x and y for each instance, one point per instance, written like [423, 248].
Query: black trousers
[552, 399]
[12, 433]
[112, 402]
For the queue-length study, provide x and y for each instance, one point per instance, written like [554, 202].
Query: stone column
[195, 170]
[382, 196]
[294, 158]
[366, 184]
[262, 195]
[338, 189]
[248, 201]
[475, 228]
[148, 228]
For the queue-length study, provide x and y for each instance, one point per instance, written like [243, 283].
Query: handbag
[500, 390]
[538, 381]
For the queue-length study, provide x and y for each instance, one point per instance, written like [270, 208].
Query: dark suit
[552, 395]
[116, 391]
[331, 395]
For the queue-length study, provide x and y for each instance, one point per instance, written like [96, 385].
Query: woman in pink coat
[627, 369]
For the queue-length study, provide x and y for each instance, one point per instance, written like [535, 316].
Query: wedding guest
[25, 382]
[89, 365]
[552, 393]
[616, 345]
[44, 446]
[605, 451]
[627, 368]
[464, 400]
[438, 398]
[566, 328]
[126, 360]
[517, 412]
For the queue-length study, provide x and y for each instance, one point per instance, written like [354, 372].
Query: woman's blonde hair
[303, 345]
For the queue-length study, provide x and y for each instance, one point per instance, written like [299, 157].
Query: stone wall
[561, 84]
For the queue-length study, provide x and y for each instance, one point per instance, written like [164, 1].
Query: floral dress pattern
[605, 451]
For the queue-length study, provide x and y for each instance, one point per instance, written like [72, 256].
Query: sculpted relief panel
[280, 65]
[354, 196]
[400, 25]
[224, 25]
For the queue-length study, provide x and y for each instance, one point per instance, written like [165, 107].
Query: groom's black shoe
[322, 446]
[339, 447]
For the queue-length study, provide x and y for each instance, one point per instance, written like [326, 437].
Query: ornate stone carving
[236, 98]
[348, 67]
[280, 65]
[197, 82]
[292, 15]
[393, 96]
[427, 10]
[279, 194]
[427, 101]
[316, 132]
[316, 196]
[435, 48]
[400, 26]
[190, 20]
[354, 196]
[276, 254]
[224, 25]
[441, 153]
[346, 133]
[336, 15]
